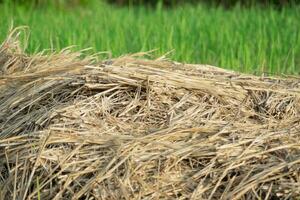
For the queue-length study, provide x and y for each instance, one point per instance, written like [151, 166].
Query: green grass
[251, 40]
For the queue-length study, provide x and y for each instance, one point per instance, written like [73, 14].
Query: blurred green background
[256, 36]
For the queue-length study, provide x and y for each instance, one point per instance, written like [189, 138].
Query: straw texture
[73, 127]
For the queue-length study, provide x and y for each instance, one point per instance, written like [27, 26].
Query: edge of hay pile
[130, 128]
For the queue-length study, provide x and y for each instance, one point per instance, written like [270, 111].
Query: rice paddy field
[253, 40]
[102, 123]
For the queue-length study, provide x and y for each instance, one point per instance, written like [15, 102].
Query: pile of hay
[132, 128]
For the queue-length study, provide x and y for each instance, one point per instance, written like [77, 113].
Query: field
[253, 40]
[102, 123]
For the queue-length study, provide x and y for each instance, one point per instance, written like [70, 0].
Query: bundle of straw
[72, 127]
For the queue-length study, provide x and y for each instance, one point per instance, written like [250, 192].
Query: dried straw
[132, 128]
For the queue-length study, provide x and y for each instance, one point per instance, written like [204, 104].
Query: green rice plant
[253, 40]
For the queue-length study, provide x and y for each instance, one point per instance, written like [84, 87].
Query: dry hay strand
[72, 127]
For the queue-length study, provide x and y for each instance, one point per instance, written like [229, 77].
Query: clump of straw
[132, 128]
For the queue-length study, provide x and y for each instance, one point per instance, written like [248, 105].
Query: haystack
[74, 127]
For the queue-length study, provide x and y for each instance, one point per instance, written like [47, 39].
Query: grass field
[251, 40]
